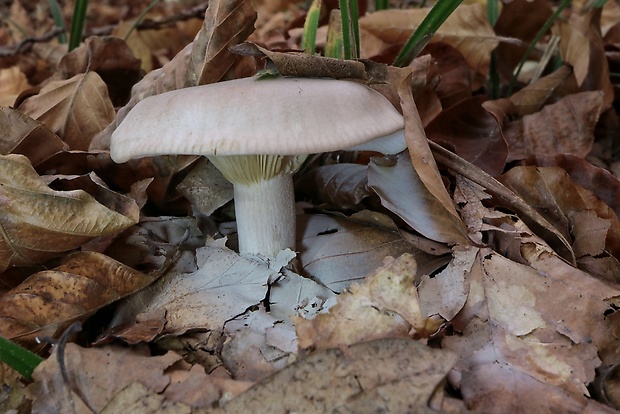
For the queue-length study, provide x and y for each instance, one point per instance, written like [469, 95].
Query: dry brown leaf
[533, 97]
[39, 223]
[136, 398]
[110, 57]
[384, 305]
[507, 198]
[389, 375]
[532, 329]
[76, 109]
[467, 29]
[94, 376]
[12, 83]
[48, 301]
[598, 181]
[564, 203]
[341, 185]
[565, 127]
[474, 133]
[20, 134]
[581, 46]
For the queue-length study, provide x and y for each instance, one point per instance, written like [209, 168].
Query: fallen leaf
[94, 376]
[565, 127]
[76, 109]
[509, 314]
[39, 223]
[49, 301]
[384, 305]
[338, 251]
[20, 134]
[474, 133]
[388, 375]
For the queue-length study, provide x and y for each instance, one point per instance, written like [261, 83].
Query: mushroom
[257, 132]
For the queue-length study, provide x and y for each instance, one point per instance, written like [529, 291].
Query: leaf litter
[475, 271]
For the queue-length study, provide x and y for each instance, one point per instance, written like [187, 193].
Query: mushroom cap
[280, 116]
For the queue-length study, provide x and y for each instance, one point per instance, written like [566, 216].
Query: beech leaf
[39, 223]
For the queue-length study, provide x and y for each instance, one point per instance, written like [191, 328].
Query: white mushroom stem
[265, 212]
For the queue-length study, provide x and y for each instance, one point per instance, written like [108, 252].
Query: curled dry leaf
[39, 223]
[76, 109]
[467, 29]
[403, 192]
[20, 134]
[565, 127]
[48, 301]
[340, 185]
[581, 46]
[388, 375]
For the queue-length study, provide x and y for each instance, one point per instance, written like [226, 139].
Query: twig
[26, 44]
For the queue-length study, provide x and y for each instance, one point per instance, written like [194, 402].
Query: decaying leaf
[385, 305]
[202, 291]
[388, 375]
[39, 223]
[509, 315]
[566, 127]
[48, 301]
[94, 376]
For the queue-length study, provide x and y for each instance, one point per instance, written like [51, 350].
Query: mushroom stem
[265, 213]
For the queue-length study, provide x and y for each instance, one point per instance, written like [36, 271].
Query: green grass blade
[77, 23]
[59, 20]
[543, 30]
[382, 5]
[350, 28]
[431, 23]
[494, 81]
[18, 358]
[311, 26]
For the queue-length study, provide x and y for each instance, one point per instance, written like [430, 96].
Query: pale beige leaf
[76, 109]
[38, 223]
[385, 305]
[338, 251]
[12, 83]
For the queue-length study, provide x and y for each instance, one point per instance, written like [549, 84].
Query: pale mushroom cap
[284, 116]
